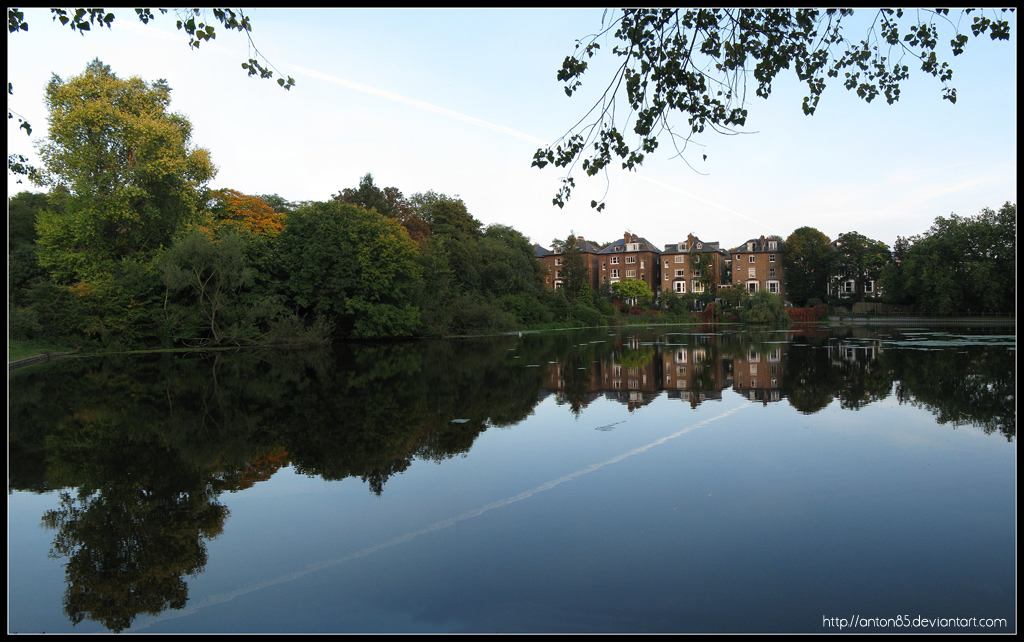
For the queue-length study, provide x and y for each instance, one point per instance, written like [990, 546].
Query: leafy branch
[698, 62]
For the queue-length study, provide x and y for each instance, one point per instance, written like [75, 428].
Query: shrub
[765, 307]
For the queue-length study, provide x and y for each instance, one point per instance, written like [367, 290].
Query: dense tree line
[131, 247]
[960, 266]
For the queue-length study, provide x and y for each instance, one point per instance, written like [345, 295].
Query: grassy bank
[22, 349]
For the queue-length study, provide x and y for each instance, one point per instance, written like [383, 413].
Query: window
[615, 260]
[752, 287]
[696, 274]
[558, 274]
[630, 274]
[604, 266]
[750, 246]
[751, 259]
[680, 287]
[633, 247]
[666, 276]
[681, 357]
[666, 265]
[547, 279]
[700, 245]
[739, 257]
[697, 287]
[681, 370]
[771, 272]
[771, 258]
[679, 274]
[751, 273]
[680, 258]
[773, 287]
[630, 259]
[558, 261]
[772, 245]
[641, 265]
[615, 273]
[869, 287]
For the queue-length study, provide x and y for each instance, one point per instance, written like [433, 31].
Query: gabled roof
[620, 246]
[689, 246]
[760, 245]
[539, 252]
[587, 246]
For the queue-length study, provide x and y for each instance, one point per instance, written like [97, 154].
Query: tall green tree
[964, 265]
[125, 174]
[575, 271]
[350, 264]
[388, 201]
[194, 22]
[810, 263]
[695, 62]
[860, 259]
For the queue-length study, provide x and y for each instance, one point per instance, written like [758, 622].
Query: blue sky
[457, 101]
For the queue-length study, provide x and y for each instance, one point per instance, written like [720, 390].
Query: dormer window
[699, 245]
[633, 247]
[772, 245]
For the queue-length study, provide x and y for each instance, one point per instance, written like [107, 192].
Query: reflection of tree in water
[968, 385]
[148, 443]
[133, 529]
[577, 386]
[863, 380]
[811, 381]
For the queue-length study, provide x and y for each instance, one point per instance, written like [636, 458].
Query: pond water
[647, 479]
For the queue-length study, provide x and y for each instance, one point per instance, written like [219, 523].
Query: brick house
[552, 261]
[758, 265]
[632, 257]
[684, 264]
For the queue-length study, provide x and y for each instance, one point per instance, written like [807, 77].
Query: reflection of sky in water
[729, 516]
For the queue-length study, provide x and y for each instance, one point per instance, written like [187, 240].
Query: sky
[458, 101]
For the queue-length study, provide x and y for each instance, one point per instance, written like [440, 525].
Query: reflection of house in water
[692, 373]
[758, 374]
[575, 383]
[633, 376]
[852, 351]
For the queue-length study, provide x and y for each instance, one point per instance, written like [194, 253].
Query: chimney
[689, 240]
[625, 237]
[634, 238]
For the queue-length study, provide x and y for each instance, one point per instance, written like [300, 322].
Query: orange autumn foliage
[249, 212]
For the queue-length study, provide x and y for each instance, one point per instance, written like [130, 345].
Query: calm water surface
[637, 480]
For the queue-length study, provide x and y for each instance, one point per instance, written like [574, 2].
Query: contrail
[436, 526]
[419, 104]
[706, 201]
